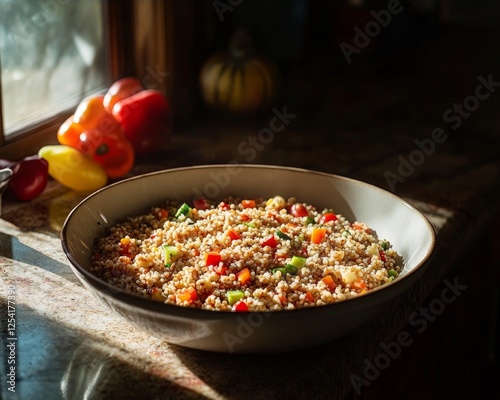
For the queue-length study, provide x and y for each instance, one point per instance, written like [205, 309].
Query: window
[53, 53]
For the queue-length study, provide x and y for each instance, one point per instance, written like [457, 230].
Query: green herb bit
[385, 245]
[291, 269]
[282, 235]
[282, 270]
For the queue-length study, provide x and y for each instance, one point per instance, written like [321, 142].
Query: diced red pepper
[382, 256]
[223, 205]
[201, 203]
[248, 203]
[327, 218]
[162, 213]
[317, 235]
[299, 210]
[233, 234]
[244, 217]
[244, 276]
[240, 306]
[221, 269]
[270, 241]
[309, 297]
[212, 258]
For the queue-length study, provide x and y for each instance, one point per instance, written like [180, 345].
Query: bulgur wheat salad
[244, 255]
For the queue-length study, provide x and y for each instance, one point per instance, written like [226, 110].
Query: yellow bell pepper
[72, 169]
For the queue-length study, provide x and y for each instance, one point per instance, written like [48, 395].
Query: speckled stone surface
[70, 347]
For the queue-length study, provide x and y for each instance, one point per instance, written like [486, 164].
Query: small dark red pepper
[29, 177]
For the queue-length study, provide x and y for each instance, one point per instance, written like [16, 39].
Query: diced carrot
[317, 235]
[357, 226]
[309, 297]
[329, 282]
[359, 284]
[244, 276]
[248, 203]
[188, 295]
[212, 258]
[232, 234]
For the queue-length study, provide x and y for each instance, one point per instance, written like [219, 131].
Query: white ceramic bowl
[407, 229]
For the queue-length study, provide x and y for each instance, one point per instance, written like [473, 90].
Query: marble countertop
[68, 346]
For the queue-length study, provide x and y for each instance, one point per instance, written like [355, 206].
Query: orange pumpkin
[238, 80]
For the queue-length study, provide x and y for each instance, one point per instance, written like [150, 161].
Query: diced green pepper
[184, 209]
[384, 245]
[297, 261]
[169, 251]
[249, 224]
[234, 296]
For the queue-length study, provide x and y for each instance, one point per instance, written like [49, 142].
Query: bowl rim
[109, 291]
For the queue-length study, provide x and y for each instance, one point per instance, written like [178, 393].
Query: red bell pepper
[145, 118]
[270, 241]
[240, 306]
[120, 90]
[327, 217]
[212, 258]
